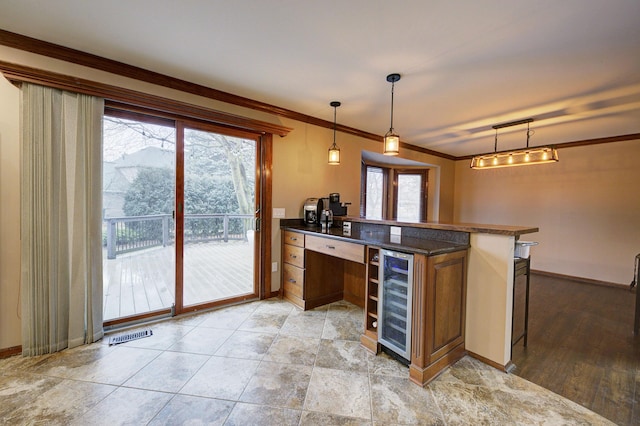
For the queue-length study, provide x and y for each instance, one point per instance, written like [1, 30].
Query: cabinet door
[446, 307]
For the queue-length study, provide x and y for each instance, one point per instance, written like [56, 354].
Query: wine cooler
[394, 306]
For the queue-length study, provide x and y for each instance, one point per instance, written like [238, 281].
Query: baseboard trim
[487, 361]
[7, 352]
[580, 279]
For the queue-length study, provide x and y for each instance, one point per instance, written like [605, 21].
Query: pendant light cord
[335, 108]
[393, 83]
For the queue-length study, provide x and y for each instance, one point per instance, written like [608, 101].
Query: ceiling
[572, 65]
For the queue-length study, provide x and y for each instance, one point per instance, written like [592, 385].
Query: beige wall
[300, 170]
[9, 216]
[587, 207]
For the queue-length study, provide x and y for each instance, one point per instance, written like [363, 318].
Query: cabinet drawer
[337, 248]
[293, 255]
[294, 238]
[293, 279]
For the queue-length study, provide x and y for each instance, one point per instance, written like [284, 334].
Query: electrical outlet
[395, 230]
[274, 266]
[278, 213]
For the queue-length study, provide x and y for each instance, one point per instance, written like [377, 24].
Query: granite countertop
[462, 227]
[383, 240]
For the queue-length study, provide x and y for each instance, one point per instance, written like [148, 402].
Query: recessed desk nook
[430, 292]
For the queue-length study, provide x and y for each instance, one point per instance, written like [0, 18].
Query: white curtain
[61, 205]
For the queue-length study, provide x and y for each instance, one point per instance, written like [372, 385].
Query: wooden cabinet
[318, 270]
[439, 310]
[370, 337]
[293, 267]
[342, 249]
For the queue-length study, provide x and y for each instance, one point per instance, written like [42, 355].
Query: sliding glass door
[138, 198]
[179, 215]
[219, 216]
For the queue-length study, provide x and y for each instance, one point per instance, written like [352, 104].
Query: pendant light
[334, 151]
[391, 139]
[522, 157]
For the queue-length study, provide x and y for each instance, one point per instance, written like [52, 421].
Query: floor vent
[115, 340]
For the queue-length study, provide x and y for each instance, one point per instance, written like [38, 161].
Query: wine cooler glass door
[396, 277]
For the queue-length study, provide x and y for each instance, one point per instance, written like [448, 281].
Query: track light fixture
[523, 157]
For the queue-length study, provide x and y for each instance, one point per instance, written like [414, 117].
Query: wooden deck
[143, 281]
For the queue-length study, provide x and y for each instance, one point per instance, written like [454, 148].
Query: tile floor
[263, 363]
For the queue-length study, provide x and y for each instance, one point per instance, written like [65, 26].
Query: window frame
[390, 185]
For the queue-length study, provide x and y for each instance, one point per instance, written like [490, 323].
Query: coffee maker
[338, 208]
[312, 211]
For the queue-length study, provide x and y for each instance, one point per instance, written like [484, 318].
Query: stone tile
[265, 322]
[125, 406]
[228, 318]
[343, 307]
[344, 393]
[275, 305]
[342, 355]
[459, 401]
[246, 344]
[279, 385]
[259, 415]
[168, 372]
[116, 367]
[192, 410]
[33, 399]
[395, 400]
[383, 365]
[343, 327]
[305, 324]
[220, 377]
[293, 350]
[202, 340]
[64, 363]
[344, 382]
[310, 418]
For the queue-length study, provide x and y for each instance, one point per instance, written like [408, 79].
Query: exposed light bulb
[510, 158]
[495, 160]
[526, 157]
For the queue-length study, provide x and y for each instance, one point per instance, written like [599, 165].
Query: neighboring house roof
[147, 157]
[118, 175]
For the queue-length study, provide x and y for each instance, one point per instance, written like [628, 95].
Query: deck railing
[131, 233]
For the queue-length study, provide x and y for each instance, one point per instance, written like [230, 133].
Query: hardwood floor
[581, 345]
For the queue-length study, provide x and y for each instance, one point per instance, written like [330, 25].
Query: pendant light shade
[521, 157]
[334, 151]
[391, 139]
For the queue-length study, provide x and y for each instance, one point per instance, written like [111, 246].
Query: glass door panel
[409, 206]
[138, 198]
[395, 295]
[219, 211]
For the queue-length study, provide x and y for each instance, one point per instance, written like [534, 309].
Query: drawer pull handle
[293, 238]
[293, 256]
[291, 280]
[331, 247]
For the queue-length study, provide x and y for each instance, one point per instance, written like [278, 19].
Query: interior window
[394, 194]
[409, 197]
[374, 193]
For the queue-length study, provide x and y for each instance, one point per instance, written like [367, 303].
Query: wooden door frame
[263, 199]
